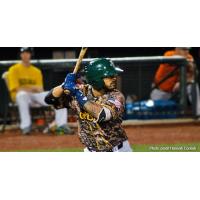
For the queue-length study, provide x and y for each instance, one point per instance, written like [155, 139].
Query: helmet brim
[119, 70]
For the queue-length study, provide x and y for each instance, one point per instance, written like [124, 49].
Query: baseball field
[176, 137]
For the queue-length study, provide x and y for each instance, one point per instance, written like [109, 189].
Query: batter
[98, 105]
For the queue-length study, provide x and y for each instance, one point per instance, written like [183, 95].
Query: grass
[136, 148]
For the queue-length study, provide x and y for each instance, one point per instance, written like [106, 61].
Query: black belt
[120, 146]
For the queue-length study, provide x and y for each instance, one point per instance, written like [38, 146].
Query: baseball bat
[80, 59]
[78, 63]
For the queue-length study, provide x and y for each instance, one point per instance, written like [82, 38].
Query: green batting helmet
[98, 69]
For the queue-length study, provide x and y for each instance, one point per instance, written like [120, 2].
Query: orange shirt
[164, 70]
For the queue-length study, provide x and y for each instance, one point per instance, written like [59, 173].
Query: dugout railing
[137, 77]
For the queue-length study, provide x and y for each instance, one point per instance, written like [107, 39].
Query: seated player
[98, 105]
[25, 83]
[166, 87]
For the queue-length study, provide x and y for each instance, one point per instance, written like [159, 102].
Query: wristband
[81, 98]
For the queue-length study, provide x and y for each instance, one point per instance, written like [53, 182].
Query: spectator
[25, 83]
[165, 88]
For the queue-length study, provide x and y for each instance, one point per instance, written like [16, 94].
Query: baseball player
[98, 105]
[25, 84]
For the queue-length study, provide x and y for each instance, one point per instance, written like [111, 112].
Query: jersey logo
[115, 102]
[27, 82]
[86, 116]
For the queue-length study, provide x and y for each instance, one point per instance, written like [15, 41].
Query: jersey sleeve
[114, 106]
[13, 81]
[64, 101]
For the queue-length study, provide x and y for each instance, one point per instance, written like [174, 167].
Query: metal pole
[194, 99]
[194, 93]
[183, 82]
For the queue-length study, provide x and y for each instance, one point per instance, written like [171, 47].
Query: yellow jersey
[22, 76]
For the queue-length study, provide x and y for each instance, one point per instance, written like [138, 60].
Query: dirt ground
[152, 134]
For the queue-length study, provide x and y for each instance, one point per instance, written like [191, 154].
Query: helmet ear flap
[98, 84]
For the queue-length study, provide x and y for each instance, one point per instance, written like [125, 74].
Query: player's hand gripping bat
[78, 63]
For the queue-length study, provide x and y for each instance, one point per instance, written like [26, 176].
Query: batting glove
[70, 83]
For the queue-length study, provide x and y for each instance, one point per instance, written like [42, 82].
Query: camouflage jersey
[105, 135]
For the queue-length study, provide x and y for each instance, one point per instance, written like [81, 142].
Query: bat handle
[67, 92]
[76, 69]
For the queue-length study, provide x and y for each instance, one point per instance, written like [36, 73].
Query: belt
[118, 147]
